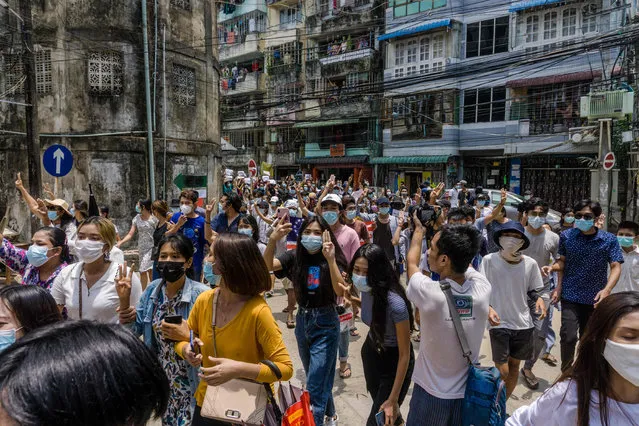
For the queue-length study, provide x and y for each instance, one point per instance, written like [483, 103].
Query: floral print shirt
[16, 260]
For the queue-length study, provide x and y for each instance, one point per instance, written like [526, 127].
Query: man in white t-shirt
[627, 232]
[514, 278]
[543, 248]
[441, 370]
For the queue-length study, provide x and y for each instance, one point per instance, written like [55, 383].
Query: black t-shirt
[383, 237]
[316, 290]
[157, 237]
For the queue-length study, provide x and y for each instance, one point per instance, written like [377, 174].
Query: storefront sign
[515, 175]
[338, 150]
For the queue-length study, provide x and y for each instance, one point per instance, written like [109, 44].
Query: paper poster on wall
[494, 172]
[428, 178]
[490, 181]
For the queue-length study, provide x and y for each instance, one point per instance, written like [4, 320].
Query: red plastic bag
[299, 414]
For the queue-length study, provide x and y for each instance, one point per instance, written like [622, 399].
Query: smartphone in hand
[173, 319]
[380, 418]
[282, 214]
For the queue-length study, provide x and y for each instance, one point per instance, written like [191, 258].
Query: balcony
[239, 118]
[547, 119]
[253, 82]
[281, 116]
[347, 56]
[284, 158]
[281, 3]
[324, 20]
[250, 49]
[346, 106]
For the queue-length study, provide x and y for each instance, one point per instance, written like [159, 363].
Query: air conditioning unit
[613, 104]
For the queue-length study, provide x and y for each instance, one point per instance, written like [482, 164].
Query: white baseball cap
[274, 200]
[291, 204]
[334, 198]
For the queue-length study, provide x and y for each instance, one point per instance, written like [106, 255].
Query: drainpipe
[155, 60]
[147, 90]
[164, 107]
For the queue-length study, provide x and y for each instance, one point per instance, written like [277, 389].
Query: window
[355, 80]
[181, 4]
[589, 13]
[569, 22]
[485, 105]
[289, 17]
[424, 49]
[422, 115]
[421, 55]
[550, 25]
[411, 56]
[183, 85]
[105, 73]
[438, 46]
[487, 37]
[43, 71]
[245, 139]
[400, 51]
[13, 74]
[532, 29]
[411, 7]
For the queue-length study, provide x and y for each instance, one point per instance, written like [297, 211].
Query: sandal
[531, 380]
[290, 321]
[345, 373]
[354, 332]
[417, 337]
[285, 310]
[549, 359]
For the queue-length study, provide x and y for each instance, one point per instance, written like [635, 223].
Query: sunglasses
[584, 216]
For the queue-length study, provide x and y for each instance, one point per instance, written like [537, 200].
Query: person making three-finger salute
[88, 288]
[315, 268]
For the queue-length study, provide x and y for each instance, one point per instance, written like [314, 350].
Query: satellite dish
[576, 137]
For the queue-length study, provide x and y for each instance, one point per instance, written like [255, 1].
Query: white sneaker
[331, 421]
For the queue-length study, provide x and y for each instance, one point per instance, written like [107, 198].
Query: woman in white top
[602, 386]
[88, 289]
[144, 223]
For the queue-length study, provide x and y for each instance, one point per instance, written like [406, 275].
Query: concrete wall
[117, 165]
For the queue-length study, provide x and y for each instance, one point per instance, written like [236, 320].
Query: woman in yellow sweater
[245, 330]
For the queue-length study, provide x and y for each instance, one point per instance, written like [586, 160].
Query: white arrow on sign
[59, 156]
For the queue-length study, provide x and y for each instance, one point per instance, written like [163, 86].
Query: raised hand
[503, 194]
[19, 184]
[210, 207]
[328, 248]
[47, 191]
[281, 230]
[42, 209]
[123, 285]
[435, 193]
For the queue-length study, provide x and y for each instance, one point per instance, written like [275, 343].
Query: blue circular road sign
[57, 160]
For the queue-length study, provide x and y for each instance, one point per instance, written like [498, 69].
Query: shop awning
[354, 159]
[527, 4]
[423, 159]
[325, 123]
[414, 29]
[555, 79]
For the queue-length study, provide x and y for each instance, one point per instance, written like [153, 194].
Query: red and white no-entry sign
[252, 168]
[609, 161]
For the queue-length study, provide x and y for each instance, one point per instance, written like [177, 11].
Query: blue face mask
[312, 243]
[626, 241]
[7, 338]
[138, 209]
[569, 219]
[584, 225]
[361, 283]
[52, 215]
[210, 276]
[292, 212]
[72, 211]
[384, 210]
[536, 221]
[245, 231]
[37, 255]
[330, 217]
[350, 214]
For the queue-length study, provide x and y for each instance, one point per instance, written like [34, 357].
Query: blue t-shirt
[193, 229]
[587, 261]
[220, 223]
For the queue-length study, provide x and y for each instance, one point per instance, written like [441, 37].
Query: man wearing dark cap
[385, 226]
[514, 278]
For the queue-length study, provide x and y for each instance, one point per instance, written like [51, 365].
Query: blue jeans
[549, 332]
[439, 412]
[317, 334]
[344, 340]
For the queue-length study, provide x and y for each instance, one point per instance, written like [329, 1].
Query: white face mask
[510, 248]
[185, 209]
[624, 359]
[88, 251]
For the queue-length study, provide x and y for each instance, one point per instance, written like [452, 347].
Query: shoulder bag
[485, 395]
[239, 400]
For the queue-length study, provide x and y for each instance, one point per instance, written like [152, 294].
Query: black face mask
[171, 271]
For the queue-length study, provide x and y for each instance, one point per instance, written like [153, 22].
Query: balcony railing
[250, 48]
[251, 82]
[549, 119]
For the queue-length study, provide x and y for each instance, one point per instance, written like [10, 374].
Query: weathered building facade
[91, 96]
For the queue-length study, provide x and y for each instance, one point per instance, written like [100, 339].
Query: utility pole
[31, 99]
[600, 184]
